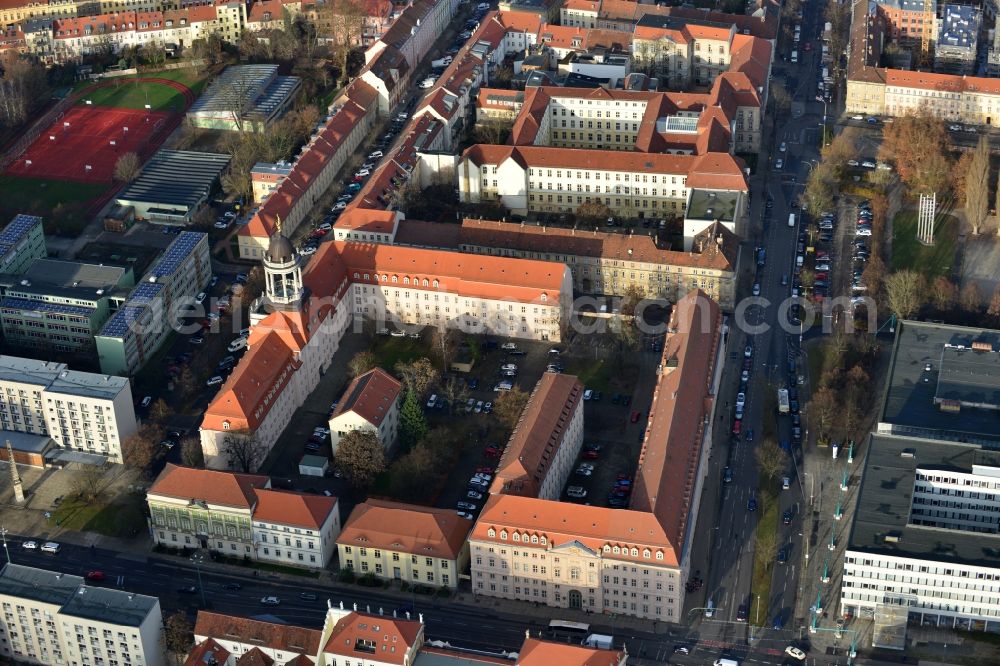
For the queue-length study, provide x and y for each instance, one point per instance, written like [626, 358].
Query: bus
[571, 628]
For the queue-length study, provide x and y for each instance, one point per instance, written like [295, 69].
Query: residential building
[266, 176]
[631, 561]
[258, 91]
[59, 305]
[298, 323]
[21, 242]
[545, 441]
[958, 40]
[414, 32]
[911, 22]
[371, 404]
[56, 618]
[534, 179]
[300, 529]
[286, 199]
[537, 652]
[607, 263]
[135, 332]
[347, 637]
[80, 411]
[395, 541]
[240, 515]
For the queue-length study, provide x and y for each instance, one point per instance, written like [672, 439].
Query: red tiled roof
[671, 452]
[536, 652]
[297, 509]
[215, 487]
[406, 528]
[254, 657]
[370, 396]
[391, 638]
[538, 435]
[207, 652]
[232, 628]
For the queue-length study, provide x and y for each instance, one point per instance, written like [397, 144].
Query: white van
[50, 547]
[710, 609]
[237, 344]
[795, 56]
[791, 219]
[725, 661]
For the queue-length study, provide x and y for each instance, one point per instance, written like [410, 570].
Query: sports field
[132, 94]
[67, 200]
[84, 143]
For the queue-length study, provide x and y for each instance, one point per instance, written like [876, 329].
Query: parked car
[270, 601]
[576, 492]
[466, 506]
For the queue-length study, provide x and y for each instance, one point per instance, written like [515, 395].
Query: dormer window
[491, 533]
[267, 16]
[225, 425]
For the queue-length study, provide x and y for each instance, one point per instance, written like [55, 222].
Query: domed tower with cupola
[282, 273]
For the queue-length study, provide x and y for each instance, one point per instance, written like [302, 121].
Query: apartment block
[625, 561]
[370, 403]
[135, 332]
[239, 515]
[80, 411]
[59, 305]
[21, 242]
[395, 541]
[55, 618]
[545, 441]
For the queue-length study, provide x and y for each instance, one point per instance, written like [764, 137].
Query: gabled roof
[673, 445]
[254, 657]
[406, 528]
[207, 653]
[257, 633]
[355, 635]
[717, 171]
[297, 509]
[214, 487]
[370, 396]
[536, 652]
[538, 435]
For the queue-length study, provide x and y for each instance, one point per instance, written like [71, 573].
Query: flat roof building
[957, 41]
[80, 411]
[85, 624]
[21, 242]
[161, 195]
[260, 94]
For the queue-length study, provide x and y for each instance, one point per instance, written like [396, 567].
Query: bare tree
[89, 484]
[771, 459]
[823, 407]
[191, 453]
[127, 167]
[977, 186]
[766, 548]
[782, 100]
[509, 405]
[361, 456]
[342, 22]
[443, 340]
[455, 391]
[970, 297]
[139, 450]
[160, 411]
[944, 294]
[492, 131]
[245, 451]
[418, 376]
[361, 363]
[178, 635]
[993, 309]
[904, 291]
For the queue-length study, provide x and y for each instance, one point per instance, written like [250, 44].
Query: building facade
[545, 441]
[21, 242]
[135, 332]
[396, 541]
[55, 618]
[80, 411]
[370, 403]
[295, 528]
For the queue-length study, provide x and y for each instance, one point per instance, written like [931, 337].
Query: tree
[154, 53]
[455, 391]
[904, 291]
[412, 473]
[361, 456]
[593, 211]
[418, 376]
[127, 167]
[245, 451]
[766, 547]
[492, 131]
[823, 407]
[977, 186]
[139, 449]
[970, 297]
[944, 294]
[771, 459]
[996, 202]
[191, 453]
[444, 341]
[178, 634]
[873, 276]
[361, 363]
[342, 23]
[630, 300]
[412, 423]
[187, 382]
[993, 309]
[917, 143]
[89, 483]
[807, 278]
[509, 405]
[160, 411]
[782, 100]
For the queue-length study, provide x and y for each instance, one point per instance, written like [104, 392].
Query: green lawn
[128, 94]
[760, 587]
[120, 519]
[63, 204]
[389, 351]
[909, 253]
[596, 375]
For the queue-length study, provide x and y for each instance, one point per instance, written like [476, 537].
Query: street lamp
[3, 534]
[198, 559]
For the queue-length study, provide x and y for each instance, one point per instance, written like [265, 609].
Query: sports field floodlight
[113, 143]
[27, 162]
[124, 129]
[89, 103]
[87, 167]
[52, 137]
[65, 123]
[148, 107]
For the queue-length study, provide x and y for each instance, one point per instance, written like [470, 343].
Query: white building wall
[297, 546]
[348, 421]
[562, 463]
